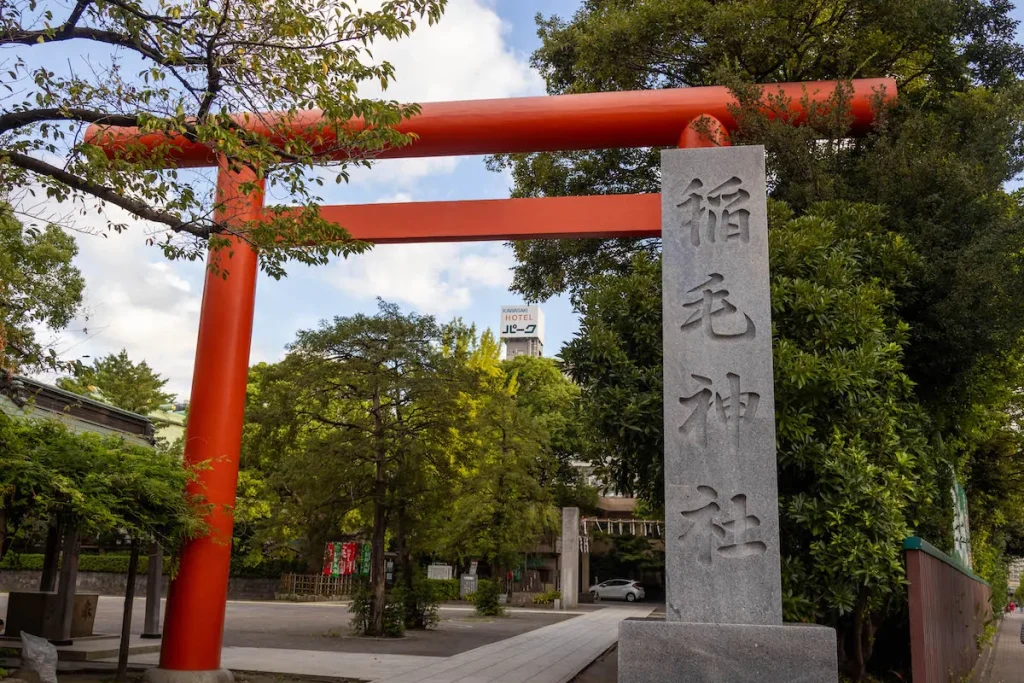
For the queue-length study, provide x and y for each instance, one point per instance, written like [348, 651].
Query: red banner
[328, 559]
[349, 553]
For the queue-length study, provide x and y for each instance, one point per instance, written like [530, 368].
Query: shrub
[419, 605]
[547, 598]
[487, 599]
[445, 589]
[362, 609]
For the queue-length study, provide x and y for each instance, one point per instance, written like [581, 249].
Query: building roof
[28, 398]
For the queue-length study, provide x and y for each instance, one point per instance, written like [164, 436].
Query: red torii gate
[194, 623]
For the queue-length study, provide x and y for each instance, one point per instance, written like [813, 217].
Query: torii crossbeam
[194, 623]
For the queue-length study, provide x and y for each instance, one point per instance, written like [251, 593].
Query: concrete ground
[324, 626]
[1004, 661]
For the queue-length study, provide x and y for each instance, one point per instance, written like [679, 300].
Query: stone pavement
[1004, 661]
[312, 663]
[553, 654]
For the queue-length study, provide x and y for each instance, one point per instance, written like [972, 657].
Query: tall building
[522, 330]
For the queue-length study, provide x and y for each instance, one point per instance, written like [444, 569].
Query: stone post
[570, 557]
[723, 578]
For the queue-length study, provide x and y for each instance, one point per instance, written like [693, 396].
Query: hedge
[445, 589]
[118, 564]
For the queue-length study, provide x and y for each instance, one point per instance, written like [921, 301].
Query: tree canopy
[412, 434]
[95, 483]
[897, 297]
[211, 74]
[39, 287]
[122, 382]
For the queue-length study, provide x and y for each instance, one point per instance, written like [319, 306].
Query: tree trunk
[856, 665]
[413, 618]
[48, 579]
[377, 578]
[3, 531]
[68, 580]
[126, 618]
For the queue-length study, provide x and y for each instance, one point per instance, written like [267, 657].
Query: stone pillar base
[654, 651]
[174, 676]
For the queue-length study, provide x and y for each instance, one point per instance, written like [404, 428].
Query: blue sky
[138, 300]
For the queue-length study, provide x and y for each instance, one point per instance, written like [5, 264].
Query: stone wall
[113, 584]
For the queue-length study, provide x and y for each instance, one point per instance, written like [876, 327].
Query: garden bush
[487, 599]
[361, 610]
[419, 605]
[445, 589]
[547, 598]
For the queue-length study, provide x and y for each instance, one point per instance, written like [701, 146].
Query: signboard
[349, 551]
[522, 322]
[329, 559]
[364, 560]
[961, 527]
[345, 559]
[439, 571]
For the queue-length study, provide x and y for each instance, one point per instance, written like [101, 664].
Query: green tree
[97, 484]
[201, 74]
[361, 413]
[38, 287]
[856, 474]
[124, 383]
[938, 162]
[553, 401]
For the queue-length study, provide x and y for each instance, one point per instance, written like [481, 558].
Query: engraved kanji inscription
[711, 531]
[734, 408]
[715, 314]
[719, 214]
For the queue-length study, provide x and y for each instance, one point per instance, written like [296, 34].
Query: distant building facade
[522, 331]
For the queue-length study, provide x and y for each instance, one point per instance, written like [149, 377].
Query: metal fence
[316, 584]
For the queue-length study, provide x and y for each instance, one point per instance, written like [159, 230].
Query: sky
[138, 300]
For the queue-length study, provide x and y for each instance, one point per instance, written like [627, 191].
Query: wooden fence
[316, 584]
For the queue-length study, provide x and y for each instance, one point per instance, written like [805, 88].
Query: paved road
[1005, 664]
[325, 626]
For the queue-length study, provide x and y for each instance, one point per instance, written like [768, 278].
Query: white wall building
[522, 330]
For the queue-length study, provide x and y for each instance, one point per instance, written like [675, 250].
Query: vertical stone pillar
[722, 556]
[570, 557]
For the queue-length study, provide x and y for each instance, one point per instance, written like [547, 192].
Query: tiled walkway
[553, 654]
[310, 662]
[1005, 662]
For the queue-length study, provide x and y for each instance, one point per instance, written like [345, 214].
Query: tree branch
[135, 206]
[17, 119]
[99, 36]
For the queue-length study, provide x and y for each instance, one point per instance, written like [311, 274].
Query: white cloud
[134, 299]
[138, 301]
[464, 56]
[439, 279]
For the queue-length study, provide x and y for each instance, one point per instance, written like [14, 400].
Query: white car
[618, 589]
